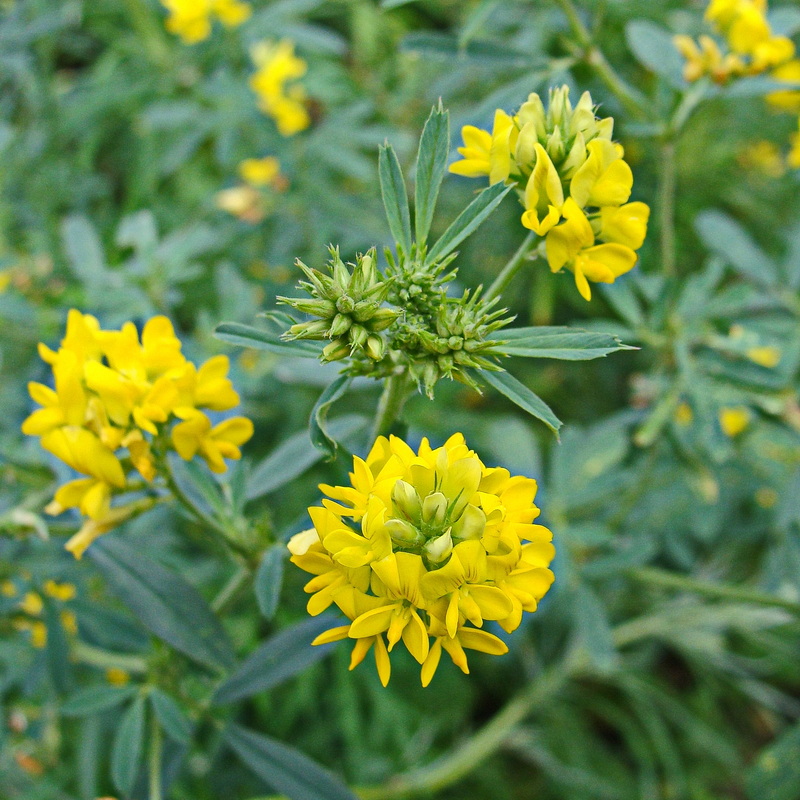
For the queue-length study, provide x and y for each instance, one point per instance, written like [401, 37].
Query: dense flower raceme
[752, 47]
[110, 416]
[572, 179]
[191, 19]
[424, 547]
[274, 81]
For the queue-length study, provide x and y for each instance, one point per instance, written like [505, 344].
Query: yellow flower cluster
[752, 47]
[573, 181]
[423, 546]
[191, 19]
[32, 605]
[277, 66]
[108, 415]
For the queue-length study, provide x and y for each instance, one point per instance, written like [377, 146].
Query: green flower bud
[434, 509]
[382, 319]
[339, 326]
[402, 532]
[345, 304]
[374, 347]
[335, 351]
[358, 336]
[407, 500]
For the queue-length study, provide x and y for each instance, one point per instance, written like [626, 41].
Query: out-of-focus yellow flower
[191, 19]
[117, 677]
[561, 158]
[8, 589]
[684, 415]
[260, 171]
[788, 100]
[277, 67]
[5, 279]
[706, 58]
[64, 592]
[764, 157]
[32, 604]
[115, 396]
[764, 356]
[244, 202]
[422, 545]
[734, 421]
[793, 159]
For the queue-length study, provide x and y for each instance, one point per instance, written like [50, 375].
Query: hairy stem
[390, 406]
[511, 268]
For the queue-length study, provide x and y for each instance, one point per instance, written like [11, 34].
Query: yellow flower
[191, 19]
[260, 171]
[684, 415]
[768, 357]
[244, 202]
[544, 195]
[115, 396]
[788, 100]
[63, 592]
[625, 225]
[734, 421]
[572, 245]
[486, 153]
[765, 157]
[117, 677]
[195, 435]
[793, 159]
[277, 65]
[425, 545]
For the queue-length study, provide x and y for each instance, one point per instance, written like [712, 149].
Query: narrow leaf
[269, 579]
[83, 248]
[653, 47]
[395, 196]
[520, 394]
[260, 339]
[282, 657]
[172, 719]
[567, 344]
[126, 755]
[164, 602]
[285, 769]
[724, 236]
[468, 221]
[94, 699]
[294, 456]
[317, 423]
[434, 146]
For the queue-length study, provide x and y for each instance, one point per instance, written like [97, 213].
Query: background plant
[663, 661]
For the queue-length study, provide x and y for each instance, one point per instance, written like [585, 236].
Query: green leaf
[94, 699]
[260, 339]
[126, 754]
[282, 657]
[269, 579]
[724, 236]
[320, 437]
[164, 602]
[520, 394]
[434, 145]
[395, 196]
[654, 49]
[83, 248]
[285, 769]
[567, 344]
[170, 716]
[776, 772]
[468, 221]
[59, 664]
[593, 629]
[295, 455]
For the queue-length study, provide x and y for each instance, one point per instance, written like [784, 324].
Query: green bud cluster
[453, 340]
[349, 303]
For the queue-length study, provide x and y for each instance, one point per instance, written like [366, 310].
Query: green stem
[668, 580]
[511, 268]
[666, 206]
[230, 591]
[154, 765]
[632, 100]
[105, 659]
[390, 406]
[149, 31]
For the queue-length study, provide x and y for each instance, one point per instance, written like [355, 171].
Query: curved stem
[230, 591]
[105, 659]
[633, 102]
[508, 272]
[390, 406]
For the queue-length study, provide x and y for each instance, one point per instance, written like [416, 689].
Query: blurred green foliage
[663, 664]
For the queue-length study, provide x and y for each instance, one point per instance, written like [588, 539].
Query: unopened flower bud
[374, 347]
[345, 304]
[382, 319]
[402, 532]
[340, 325]
[358, 336]
[439, 549]
[434, 509]
[407, 500]
[470, 524]
[336, 350]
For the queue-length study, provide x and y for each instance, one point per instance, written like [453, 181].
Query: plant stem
[668, 580]
[154, 765]
[508, 272]
[390, 406]
[230, 590]
[633, 102]
[105, 659]
[666, 206]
